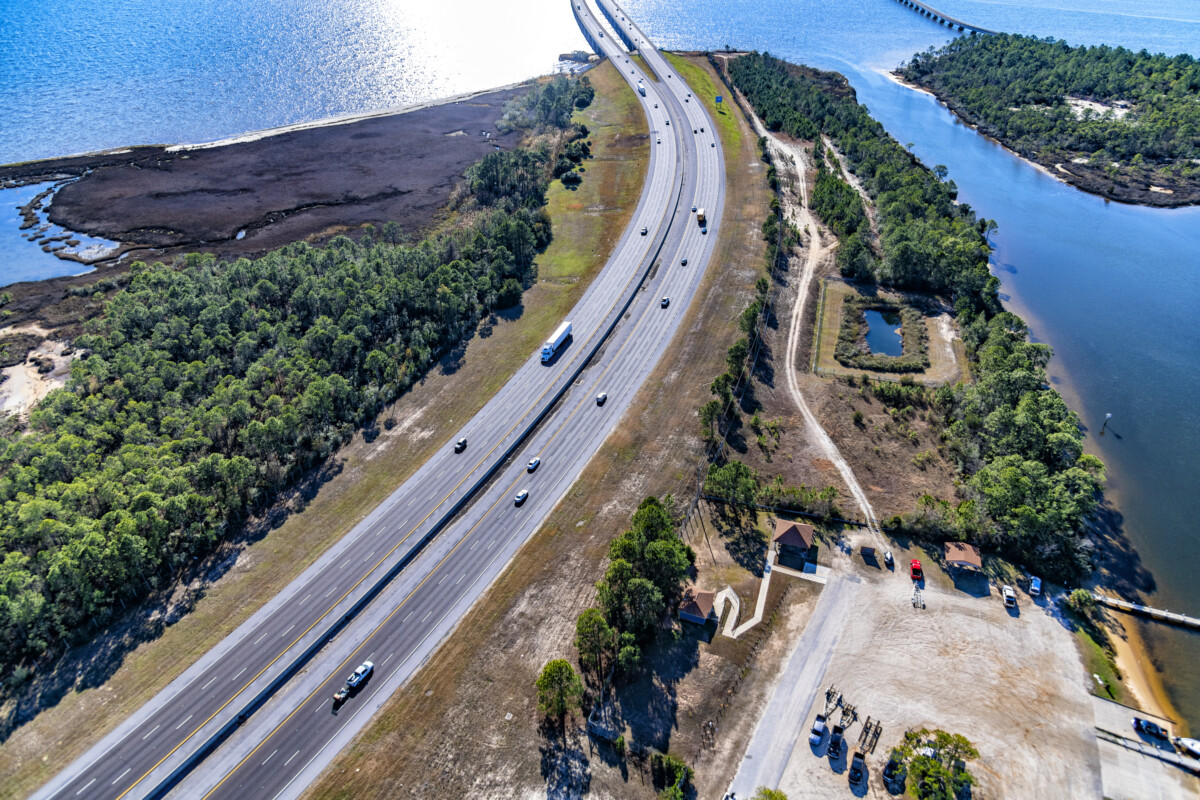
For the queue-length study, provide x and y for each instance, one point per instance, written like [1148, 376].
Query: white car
[359, 675]
[521, 497]
[533, 465]
[1010, 596]
[818, 730]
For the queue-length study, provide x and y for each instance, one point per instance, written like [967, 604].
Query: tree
[1082, 603]
[733, 481]
[559, 689]
[764, 793]
[593, 638]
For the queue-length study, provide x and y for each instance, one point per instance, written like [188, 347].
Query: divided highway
[254, 718]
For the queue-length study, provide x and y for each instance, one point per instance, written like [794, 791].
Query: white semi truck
[556, 341]
[641, 88]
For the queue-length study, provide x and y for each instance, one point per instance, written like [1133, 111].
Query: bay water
[1115, 289]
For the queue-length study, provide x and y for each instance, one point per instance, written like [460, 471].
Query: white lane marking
[152, 730]
[426, 616]
[122, 775]
[492, 543]
[474, 543]
[389, 658]
[409, 615]
[460, 577]
[259, 639]
[285, 633]
[235, 677]
[331, 591]
[305, 598]
[344, 563]
[185, 719]
[368, 556]
[210, 680]
[440, 474]
[268, 758]
[290, 759]
[89, 783]
[442, 579]
[410, 502]
[431, 494]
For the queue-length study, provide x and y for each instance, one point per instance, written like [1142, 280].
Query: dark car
[601, 398]
[683, 263]
[1149, 728]
[644, 231]
[666, 301]
[891, 771]
[835, 743]
[857, 768]
[460, 445]
[914, 569]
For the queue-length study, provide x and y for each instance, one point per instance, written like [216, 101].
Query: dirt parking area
[1009, 680]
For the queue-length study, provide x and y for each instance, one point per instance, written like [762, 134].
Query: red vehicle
[914, 569]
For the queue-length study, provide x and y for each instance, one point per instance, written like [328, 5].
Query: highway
[253, 718]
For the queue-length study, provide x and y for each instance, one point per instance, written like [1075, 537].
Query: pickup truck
[857, 768]
[835, 743]
[818, 730]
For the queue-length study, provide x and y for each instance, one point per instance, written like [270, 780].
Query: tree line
[204, 390]
[1015, 88]
[1027, 488]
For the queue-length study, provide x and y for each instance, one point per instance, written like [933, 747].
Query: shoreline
[1060, 170]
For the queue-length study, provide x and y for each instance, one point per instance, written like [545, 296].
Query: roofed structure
[696, 606]
[964, 556]
[794, 534]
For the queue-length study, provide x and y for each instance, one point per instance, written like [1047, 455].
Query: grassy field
[587, 222]
[706, 86]
[641, 62]
[446, 733]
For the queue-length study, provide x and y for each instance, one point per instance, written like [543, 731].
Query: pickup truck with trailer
[556, 340]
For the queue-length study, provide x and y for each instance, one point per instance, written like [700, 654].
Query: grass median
[466, 725]
[102, 689]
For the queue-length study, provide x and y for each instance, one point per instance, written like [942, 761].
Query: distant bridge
[943, 19]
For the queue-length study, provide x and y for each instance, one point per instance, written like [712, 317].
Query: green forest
[1017, 88]
[207, 388]
[1027, 488]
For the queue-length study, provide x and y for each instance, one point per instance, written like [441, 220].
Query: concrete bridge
[943, 19]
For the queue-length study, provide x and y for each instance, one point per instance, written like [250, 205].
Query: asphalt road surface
[254, 717]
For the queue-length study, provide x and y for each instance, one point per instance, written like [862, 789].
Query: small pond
[24, 256]
[883, 333]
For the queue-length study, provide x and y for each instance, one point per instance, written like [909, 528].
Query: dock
[943, 19]
[1183, 620]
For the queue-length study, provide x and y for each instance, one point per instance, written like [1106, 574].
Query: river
[1115, 289]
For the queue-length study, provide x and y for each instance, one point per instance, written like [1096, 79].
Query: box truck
[641, 88]
[556, 341]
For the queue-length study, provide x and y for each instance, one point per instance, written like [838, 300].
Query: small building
[697, 606]
[964, 556]
[794, 539]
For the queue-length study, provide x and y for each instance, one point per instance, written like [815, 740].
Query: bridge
[943, 19]
[1182, 620]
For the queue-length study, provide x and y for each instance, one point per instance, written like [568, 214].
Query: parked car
[1010, 596]
[460, 445]
[818, 730]
[1035, 586]
[888, 559]
[533, 464]
[521, 497]
[1152, 729]
[857, 768]
[601, 398]
[1189, 747]
[359, 675]
[891, 771]
[835, 743]
[914, 569]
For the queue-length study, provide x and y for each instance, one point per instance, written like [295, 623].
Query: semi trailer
[556, 341]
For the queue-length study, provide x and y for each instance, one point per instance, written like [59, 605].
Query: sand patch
[25, 384]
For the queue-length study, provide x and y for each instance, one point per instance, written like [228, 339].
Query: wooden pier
[944, 19]
[1182, 620]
